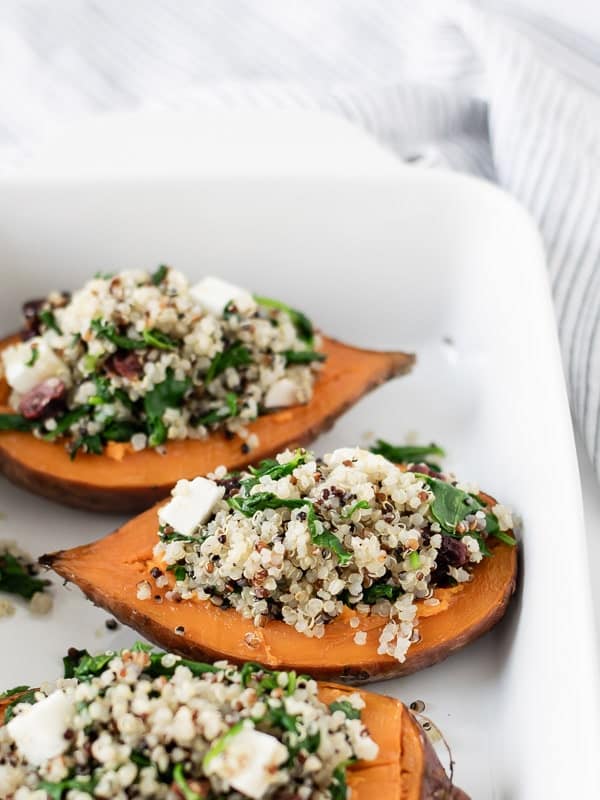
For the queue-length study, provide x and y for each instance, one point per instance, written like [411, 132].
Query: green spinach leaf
[220, 743]
[379, 591]
[15, 690]
[28, 697]
[235, 356]
[271, 468]
[346, 707]
[107, 330]
[64, 423]
[35, 354]
[408, 454]
[329, 541]
[223, 413]
[280, 718]
[158, 339]
[178, 570]
[187, 792]
[303, 356]
[84, 667]
[450, 504]
[492, 528]
[118, 430]
[161, 273]
[168, 394]
[49, 320]
[339, 787]
[301, 322]
[15, 579]
[15, 422]
[175, 536]
[355, 507]
[57, 790]
[90, 443]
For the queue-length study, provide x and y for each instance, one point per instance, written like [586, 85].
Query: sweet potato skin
[108, 571]
[406, 768]
[137, 480]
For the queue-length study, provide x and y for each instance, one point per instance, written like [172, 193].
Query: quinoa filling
[141, 723]
[299, 539]
[145, 358]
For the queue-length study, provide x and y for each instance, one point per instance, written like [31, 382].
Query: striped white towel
[477, 91]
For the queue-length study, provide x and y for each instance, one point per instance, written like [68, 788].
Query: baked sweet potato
[124, 481]
[109, 570]
[406, 768]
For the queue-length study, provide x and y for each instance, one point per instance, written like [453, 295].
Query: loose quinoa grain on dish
[145, 358]
[298, 539]
[146, 724]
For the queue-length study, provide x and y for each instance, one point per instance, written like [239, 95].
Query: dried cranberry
[452, 553]
[31, 310]
[419, 466]
[231, 485]
[43, 400]
[126, 364]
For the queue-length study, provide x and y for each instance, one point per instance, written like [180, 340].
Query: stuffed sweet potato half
[140, 723]
[348, 567]
[136, 380]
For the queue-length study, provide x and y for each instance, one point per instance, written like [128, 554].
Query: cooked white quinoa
[146, 358]
[300, 538]
[143, 724]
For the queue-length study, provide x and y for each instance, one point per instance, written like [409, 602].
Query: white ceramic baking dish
[441, 264]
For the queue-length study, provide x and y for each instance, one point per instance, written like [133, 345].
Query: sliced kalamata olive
[43, 400]
[126, 364]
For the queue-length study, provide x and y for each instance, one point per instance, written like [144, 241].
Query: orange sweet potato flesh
[132, 481]
[406, 767]
[109, 570]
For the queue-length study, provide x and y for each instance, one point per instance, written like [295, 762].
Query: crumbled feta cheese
[39, 731]
[250, 761]
[11, 778]
[213, 294]
[283, 392]
[191, 504]
[22, 377]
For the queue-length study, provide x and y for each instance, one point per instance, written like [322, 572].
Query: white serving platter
[429, 261]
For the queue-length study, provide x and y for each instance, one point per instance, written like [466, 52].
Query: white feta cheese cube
[282, 393]
[250, 762]
[213, 294]
[191, 505]
[47, 364]
[39, 732]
